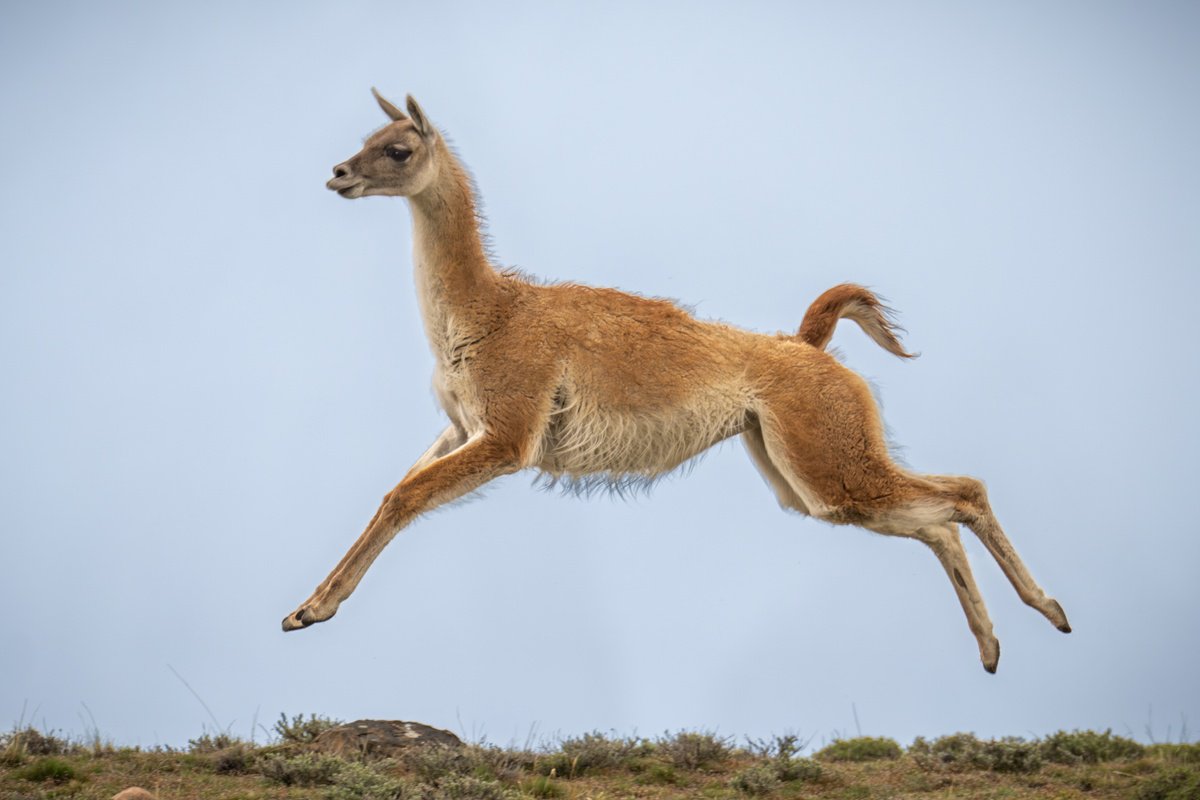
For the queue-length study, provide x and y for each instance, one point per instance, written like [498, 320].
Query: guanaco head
[397, 160]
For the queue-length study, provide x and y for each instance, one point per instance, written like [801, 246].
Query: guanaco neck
[455, 280]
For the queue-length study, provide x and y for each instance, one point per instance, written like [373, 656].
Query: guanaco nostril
[341, 171]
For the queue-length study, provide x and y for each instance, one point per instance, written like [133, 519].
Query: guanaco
[590, 384]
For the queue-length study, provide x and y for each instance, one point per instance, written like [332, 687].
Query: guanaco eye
[397, 153]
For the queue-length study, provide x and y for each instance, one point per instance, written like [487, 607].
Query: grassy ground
[688, 764]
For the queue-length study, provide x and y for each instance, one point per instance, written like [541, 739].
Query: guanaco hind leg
[888, 500]
[973, 510]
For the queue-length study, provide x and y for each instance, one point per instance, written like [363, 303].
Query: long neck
[453, 273]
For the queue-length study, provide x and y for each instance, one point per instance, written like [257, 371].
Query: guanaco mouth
[351, 190]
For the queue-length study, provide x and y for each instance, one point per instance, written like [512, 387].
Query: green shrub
[784, 746]
[589, 753]
[462, 773]
[307, 769]
[1011, 754]
[358, 781]
[595, 751]
[963, 751]
[693, 750]
[953, 752]
[467, 787]
[757, 780]
[22, 742]
[556, 765]
[48, 769]
[1089, 747]
[797, 769]
[863, 748]
[780, 755]
[542, 786]
[1173, 784]
[656, 773]
[488, 762]
[233, 760]
[431, 763]
[12, 754]
[299, 730]
[211, 743]
[1180, 753]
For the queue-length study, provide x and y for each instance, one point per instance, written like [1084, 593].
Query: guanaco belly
[586, 437]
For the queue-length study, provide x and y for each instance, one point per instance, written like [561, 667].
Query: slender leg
[942, 538]
[926, 521]
[973, 510]
[944, 541]
[447, 442]
[441, 480]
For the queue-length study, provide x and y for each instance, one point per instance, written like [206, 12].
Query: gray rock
[380, 738]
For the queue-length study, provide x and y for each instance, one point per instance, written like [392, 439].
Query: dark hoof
[991, 664]
[312, 612]
[300, 618]
[1063, 626]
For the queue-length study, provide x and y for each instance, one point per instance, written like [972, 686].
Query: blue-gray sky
[213, 368]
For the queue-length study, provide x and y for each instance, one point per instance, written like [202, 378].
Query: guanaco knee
[970, 500]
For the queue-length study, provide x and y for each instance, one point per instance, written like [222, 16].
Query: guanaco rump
[588, 384]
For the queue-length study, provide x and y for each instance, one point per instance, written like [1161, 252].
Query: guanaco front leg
[425, 488]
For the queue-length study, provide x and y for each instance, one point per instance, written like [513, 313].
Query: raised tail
[854, 302]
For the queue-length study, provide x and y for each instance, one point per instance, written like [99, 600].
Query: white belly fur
[584, 439]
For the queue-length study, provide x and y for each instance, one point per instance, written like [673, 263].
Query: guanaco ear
[419, 119]
[394, 113]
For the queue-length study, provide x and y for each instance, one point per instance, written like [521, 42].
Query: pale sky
[213, 368]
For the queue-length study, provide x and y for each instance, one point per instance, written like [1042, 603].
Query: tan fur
[584, 383]
[850, 301]
[134, 793]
